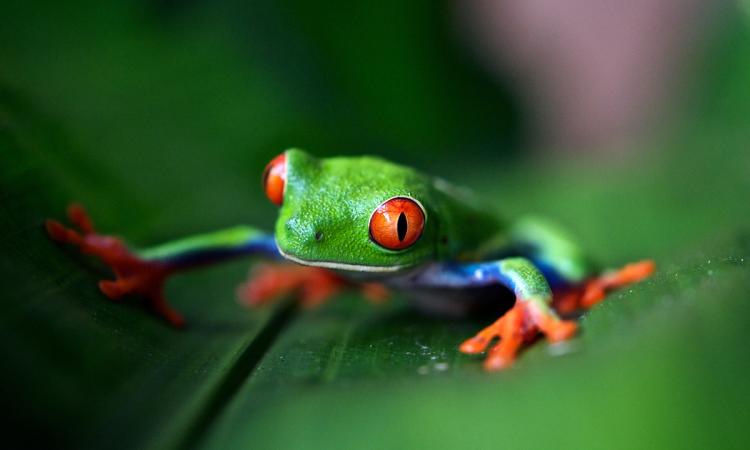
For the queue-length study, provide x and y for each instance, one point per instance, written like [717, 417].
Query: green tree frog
[363, 221]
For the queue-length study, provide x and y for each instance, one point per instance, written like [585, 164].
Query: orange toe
[561, 330]
[80, 218]
[474, 345]
[61, 233]
[480, 342]
[110, 289]
[504, 353]
[496, 362]
[634, 272]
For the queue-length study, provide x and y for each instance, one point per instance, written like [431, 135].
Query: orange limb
[376, 293]
[133, 274]
[526, 319]
[312, 285]
[268, 282]
[521, 324]
[593, 291]
[597, 288]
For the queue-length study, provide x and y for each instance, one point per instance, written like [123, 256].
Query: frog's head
[358, 214]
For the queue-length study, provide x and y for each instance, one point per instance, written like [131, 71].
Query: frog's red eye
[274, 179]
[397, 223]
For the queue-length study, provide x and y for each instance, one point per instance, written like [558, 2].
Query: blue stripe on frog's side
[263, 247]
[517, 274]
[214, 247]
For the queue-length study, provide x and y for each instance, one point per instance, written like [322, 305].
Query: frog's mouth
[342, 266]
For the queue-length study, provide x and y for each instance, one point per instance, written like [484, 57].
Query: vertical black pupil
[402, 226]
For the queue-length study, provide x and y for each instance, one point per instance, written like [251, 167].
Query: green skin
[324, 221]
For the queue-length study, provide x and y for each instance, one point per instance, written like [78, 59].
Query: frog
[361, 222]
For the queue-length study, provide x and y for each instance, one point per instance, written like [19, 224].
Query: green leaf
[160, 122]
[662, 363]
[83, 371]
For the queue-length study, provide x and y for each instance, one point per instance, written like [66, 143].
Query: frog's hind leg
[575, 280]
[594, 290]
[530, 315]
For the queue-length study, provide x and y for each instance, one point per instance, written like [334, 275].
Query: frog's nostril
[318, 235]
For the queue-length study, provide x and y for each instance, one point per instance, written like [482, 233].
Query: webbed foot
[268, 282]
[593, 291]
[522, 323]
[133, 274]
[313, 286]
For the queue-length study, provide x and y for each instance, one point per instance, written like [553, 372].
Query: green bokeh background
[159, 117]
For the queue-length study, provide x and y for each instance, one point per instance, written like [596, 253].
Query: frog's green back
[468, 225]
[333, 199]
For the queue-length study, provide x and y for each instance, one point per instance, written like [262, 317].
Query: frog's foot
[593, 291]
[268, 282]
[133, 274]
[522, 323]
[596, 289]
[313, 286]
[566, 301]
[375, 292]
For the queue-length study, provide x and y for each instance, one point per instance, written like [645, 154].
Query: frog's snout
[300, 236]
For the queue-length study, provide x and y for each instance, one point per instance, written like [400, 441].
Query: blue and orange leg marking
[530, 315]
[534, 311]
[144, 273]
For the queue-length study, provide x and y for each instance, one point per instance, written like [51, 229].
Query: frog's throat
[342, 266]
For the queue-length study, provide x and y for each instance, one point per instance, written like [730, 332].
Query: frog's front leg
[311, 285]
[530, 314]
[268, 282]
[144, 272]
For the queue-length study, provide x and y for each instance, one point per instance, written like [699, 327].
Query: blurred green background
[159, 116]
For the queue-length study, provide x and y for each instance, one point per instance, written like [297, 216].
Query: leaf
[661, 364]
[82, 371]
[160, 122]
[666, 357]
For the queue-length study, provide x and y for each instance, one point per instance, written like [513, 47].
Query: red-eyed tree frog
[357, 221]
